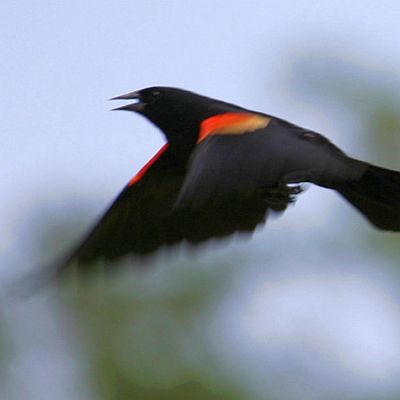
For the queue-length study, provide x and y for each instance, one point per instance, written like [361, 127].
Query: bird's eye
[155, 93]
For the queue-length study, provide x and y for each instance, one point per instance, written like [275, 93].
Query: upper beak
[129, 107]
[127, 96]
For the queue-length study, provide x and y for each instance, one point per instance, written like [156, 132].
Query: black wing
[224, 167]
[144, 217]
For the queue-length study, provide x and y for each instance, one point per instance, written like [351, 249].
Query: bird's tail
[377, 196]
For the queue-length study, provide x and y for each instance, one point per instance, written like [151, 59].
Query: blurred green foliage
[145, 336]
[7, 350]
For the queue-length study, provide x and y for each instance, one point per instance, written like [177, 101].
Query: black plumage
[224, 168]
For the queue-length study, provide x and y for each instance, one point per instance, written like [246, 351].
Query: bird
[223, 170]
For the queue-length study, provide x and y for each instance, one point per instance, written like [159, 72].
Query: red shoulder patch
[147, 166]
[234, 123]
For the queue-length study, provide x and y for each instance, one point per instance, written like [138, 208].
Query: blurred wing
[143, 217]
[137, 221]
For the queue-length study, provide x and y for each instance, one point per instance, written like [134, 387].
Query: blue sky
[61, 61]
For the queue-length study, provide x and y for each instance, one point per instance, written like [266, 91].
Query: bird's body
[222, 170]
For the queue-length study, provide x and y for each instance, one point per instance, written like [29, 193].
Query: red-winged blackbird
[222, 170]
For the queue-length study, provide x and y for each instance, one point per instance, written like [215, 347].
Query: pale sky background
[61, 61]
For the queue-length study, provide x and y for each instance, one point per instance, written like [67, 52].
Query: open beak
[137, 107]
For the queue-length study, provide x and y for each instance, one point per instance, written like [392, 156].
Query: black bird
[223, 169]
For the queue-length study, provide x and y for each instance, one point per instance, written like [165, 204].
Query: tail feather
[377, 196]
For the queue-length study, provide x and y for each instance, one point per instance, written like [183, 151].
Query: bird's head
[178, 113]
